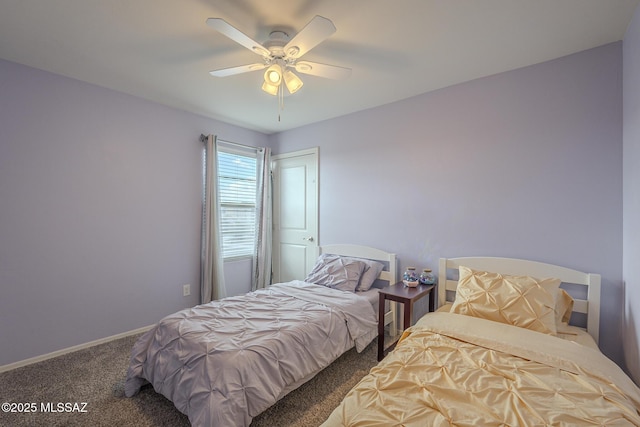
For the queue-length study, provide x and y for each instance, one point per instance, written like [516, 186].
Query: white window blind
[237, 182]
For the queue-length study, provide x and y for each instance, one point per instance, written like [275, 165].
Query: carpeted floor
[95, 377]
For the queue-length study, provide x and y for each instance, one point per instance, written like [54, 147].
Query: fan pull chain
[280, 100]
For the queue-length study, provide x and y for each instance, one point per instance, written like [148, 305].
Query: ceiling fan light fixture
[280, 56]
[273, 75]
[269, 88]
[292, 81]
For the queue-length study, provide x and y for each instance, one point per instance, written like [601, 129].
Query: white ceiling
[162, 50]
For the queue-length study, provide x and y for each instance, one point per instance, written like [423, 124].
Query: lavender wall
[99, 210]
[100, 191]
[524, 164]
[631, 194]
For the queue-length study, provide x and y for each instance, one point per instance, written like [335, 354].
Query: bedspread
[451, 369]
[225, 362]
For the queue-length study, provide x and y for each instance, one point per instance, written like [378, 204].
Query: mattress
[372, 295]
[566, 332]
[451, 369]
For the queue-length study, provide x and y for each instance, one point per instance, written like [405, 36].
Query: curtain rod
[203, 138]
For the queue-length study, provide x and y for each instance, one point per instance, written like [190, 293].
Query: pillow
[564, 307]
[371, 273]
[336, 272]
[521, 301]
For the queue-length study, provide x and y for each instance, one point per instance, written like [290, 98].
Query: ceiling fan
[281, 55]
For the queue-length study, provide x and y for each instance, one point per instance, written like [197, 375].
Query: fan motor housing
[275, 44]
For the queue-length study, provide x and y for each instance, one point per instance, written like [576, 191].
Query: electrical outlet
[186, 290]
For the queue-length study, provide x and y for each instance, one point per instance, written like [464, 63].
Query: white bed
[463, 367]
[589, 306]
[388, 276]
[225, 362]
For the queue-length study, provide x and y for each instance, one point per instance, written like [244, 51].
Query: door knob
[310, 238]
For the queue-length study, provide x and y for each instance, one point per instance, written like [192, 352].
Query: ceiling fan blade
[315, 32]
[237, 36]
[323, 70]
[225, 72]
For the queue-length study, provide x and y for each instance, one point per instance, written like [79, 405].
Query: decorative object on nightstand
[410, 277]
[427, 277]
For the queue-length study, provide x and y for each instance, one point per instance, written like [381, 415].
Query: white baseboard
[25, 362]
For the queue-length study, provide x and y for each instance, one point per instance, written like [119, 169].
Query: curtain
[211, 263]
[262, 256]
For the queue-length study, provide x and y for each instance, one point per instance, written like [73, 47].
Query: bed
[225, 362]
[501, 350]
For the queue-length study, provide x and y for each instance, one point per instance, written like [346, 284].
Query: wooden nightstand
[407, 296]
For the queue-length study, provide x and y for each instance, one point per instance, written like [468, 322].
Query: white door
[295, 214]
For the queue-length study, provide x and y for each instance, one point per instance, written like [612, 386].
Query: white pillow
[370, 274]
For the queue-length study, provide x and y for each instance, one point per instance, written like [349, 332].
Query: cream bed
[225, 362]
[484, 359]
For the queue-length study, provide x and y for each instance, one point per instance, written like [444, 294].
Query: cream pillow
[564, 307]
[521, 301]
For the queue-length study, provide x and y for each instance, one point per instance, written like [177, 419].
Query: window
[237, 191]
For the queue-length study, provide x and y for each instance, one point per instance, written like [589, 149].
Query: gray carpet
[96, 376]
